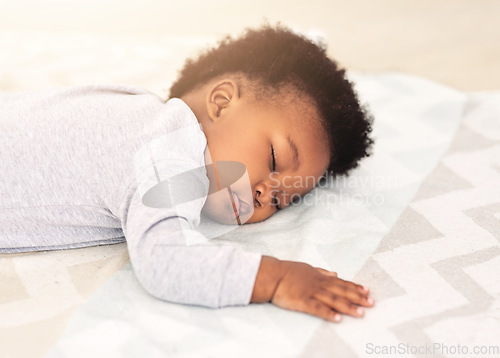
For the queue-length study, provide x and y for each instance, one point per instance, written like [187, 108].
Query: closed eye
[275, 200]
[274, 158]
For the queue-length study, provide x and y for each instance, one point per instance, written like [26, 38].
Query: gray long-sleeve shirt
[73, 169]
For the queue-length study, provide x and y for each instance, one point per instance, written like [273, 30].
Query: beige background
[455, 42]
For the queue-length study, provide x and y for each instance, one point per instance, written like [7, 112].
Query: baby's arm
[300, 287]
[169, 268]
[176, 263]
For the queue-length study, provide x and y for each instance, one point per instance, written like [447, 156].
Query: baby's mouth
[240, 206]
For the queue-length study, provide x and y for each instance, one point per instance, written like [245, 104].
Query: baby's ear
[220, 96]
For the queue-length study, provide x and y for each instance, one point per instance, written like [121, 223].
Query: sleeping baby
[251, 126]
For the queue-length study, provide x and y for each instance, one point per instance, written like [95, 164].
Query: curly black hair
[275, 56]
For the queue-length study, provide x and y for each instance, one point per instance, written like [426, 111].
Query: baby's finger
[321, 310]
[351, 292]
[340, 304]
[351, 285]
[326, 272]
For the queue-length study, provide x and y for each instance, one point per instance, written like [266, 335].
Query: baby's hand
[301, 287]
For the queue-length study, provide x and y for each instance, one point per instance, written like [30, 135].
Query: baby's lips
[244, 208]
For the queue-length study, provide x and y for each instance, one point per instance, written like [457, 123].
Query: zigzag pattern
[434, 289]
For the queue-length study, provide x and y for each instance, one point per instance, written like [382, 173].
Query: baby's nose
[263, 198]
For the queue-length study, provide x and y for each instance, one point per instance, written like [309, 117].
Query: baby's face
[282, 147]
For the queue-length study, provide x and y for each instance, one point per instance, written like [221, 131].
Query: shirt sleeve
[175, 262]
